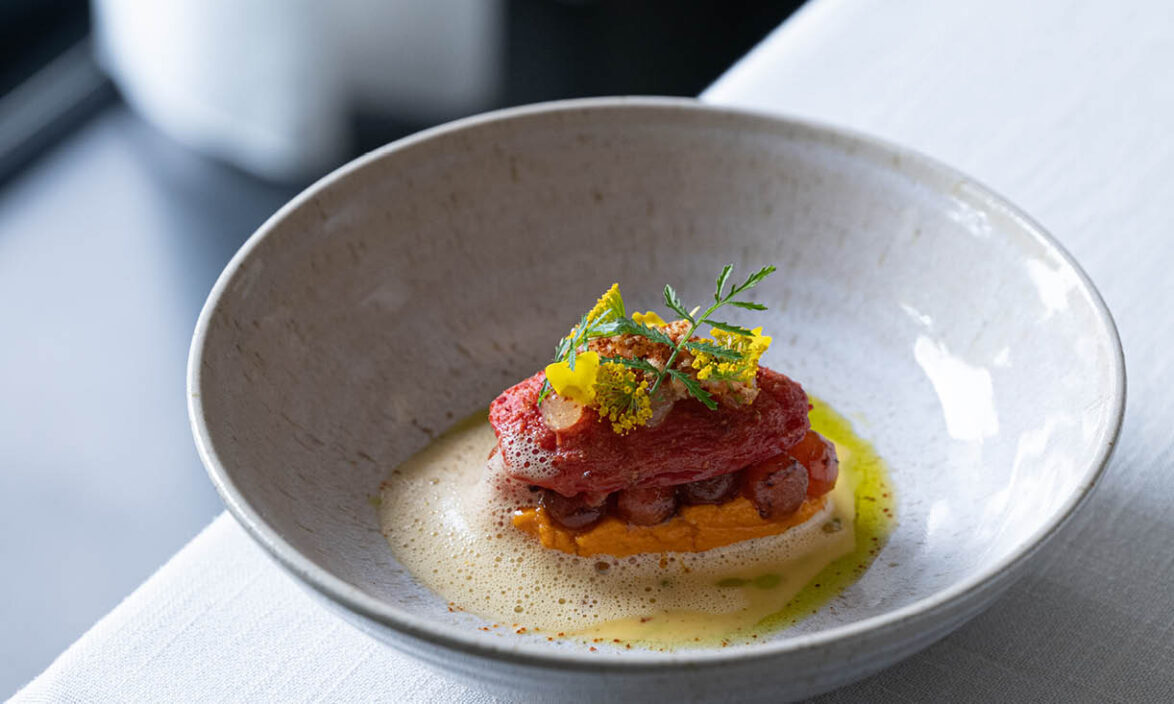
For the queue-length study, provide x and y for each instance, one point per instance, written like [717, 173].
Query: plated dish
[650, 487]
[406, 291]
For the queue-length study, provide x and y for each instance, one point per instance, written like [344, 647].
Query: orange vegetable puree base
[693, 529]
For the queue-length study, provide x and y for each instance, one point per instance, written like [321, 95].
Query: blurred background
[140, 144]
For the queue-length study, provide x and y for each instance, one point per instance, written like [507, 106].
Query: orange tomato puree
[693, 529]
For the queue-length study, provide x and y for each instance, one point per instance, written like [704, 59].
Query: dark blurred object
[35, 32]
[618, 47]
[576, 48]
[49, 82]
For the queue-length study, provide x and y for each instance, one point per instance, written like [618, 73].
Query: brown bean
[716, 490]
[648, 506]
[576, 512]
[777, 486]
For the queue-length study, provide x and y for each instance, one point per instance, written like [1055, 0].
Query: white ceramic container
[408, 288]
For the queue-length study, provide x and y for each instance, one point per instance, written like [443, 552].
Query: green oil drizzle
[875, 519]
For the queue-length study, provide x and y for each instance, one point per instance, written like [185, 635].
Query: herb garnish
[731, 356]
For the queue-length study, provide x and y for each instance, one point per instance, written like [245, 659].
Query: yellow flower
[609, 306]
[749, 348]
[622, 398]
[650, 319]
[577, 384]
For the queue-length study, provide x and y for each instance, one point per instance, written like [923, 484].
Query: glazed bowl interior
[405, 291]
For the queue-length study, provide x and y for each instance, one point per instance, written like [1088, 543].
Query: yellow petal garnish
[577, 384]
[649, 319]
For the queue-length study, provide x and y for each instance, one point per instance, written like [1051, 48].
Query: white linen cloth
[1064, 107]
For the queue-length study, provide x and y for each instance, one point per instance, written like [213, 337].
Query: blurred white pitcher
[270, 85]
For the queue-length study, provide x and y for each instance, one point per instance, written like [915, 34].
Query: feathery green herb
[719, 299]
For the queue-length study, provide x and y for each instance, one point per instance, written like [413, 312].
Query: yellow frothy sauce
[446, 516]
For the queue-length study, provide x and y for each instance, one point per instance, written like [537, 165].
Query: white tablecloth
[1068, 109]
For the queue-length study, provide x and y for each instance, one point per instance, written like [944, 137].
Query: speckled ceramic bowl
[408, 288]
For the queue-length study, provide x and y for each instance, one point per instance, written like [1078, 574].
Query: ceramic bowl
[405, 290]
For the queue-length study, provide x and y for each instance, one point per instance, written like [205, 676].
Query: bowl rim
[954, 596]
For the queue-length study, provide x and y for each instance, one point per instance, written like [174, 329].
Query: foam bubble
[528, 459]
